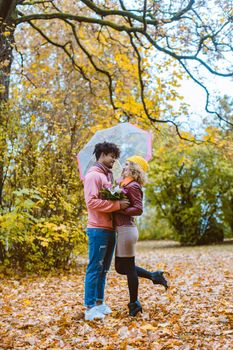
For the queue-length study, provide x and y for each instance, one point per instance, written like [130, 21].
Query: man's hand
[125, 203]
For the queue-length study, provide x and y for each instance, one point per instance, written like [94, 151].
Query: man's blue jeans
[101, 244]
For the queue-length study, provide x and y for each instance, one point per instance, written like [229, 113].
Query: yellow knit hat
[139, 161]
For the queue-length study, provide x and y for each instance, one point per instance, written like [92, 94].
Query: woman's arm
[135, 195]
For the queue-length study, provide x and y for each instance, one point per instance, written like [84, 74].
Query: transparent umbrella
[129, 138]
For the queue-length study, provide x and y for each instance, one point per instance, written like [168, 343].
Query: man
[100, 231]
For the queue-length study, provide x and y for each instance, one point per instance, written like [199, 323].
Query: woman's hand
[125, 203]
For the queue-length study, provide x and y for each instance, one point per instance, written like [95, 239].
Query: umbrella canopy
[129, 138]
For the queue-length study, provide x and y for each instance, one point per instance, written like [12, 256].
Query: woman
[133, 177]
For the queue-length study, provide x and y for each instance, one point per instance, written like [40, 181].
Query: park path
[46, 312]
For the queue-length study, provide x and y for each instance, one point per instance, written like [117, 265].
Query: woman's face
[125, 171]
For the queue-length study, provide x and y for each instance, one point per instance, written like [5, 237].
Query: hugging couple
[111, 221]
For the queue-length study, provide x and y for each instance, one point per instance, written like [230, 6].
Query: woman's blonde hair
[136, 172]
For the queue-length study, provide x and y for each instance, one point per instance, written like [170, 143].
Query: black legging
[126, 266]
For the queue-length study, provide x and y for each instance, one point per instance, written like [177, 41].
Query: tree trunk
[7, 12]
[7, 28]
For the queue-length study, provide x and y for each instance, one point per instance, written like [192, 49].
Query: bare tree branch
[100, 70]
[183, 57]
[25, 3]
[178, 15]
[63, 16]
[207, 95]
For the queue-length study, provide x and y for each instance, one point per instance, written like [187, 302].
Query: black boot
[134, 308]
[158, 278]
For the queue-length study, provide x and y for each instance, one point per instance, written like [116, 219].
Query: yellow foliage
[6, 33]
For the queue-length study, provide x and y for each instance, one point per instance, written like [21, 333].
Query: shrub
[32, 243]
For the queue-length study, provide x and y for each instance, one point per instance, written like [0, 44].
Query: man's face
[108, 159]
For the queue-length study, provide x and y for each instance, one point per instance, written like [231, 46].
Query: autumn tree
[190, 188]
[224, 142]
[182, 30]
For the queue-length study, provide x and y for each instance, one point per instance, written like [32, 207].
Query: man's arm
[91, 192]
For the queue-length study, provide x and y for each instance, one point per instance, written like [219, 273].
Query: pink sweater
[99, 211]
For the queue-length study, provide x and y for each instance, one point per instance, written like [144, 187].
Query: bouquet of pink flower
[113, 192]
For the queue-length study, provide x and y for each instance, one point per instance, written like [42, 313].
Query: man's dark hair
[106, 148]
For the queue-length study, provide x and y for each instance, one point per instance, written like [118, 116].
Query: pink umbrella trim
[149, 141]
[80, 168]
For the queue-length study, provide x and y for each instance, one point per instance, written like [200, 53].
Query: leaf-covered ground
[197, 312]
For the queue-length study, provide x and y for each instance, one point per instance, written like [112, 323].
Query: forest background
[64, 76]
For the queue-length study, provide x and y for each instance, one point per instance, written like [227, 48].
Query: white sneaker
[104, 309]
[93, 314]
